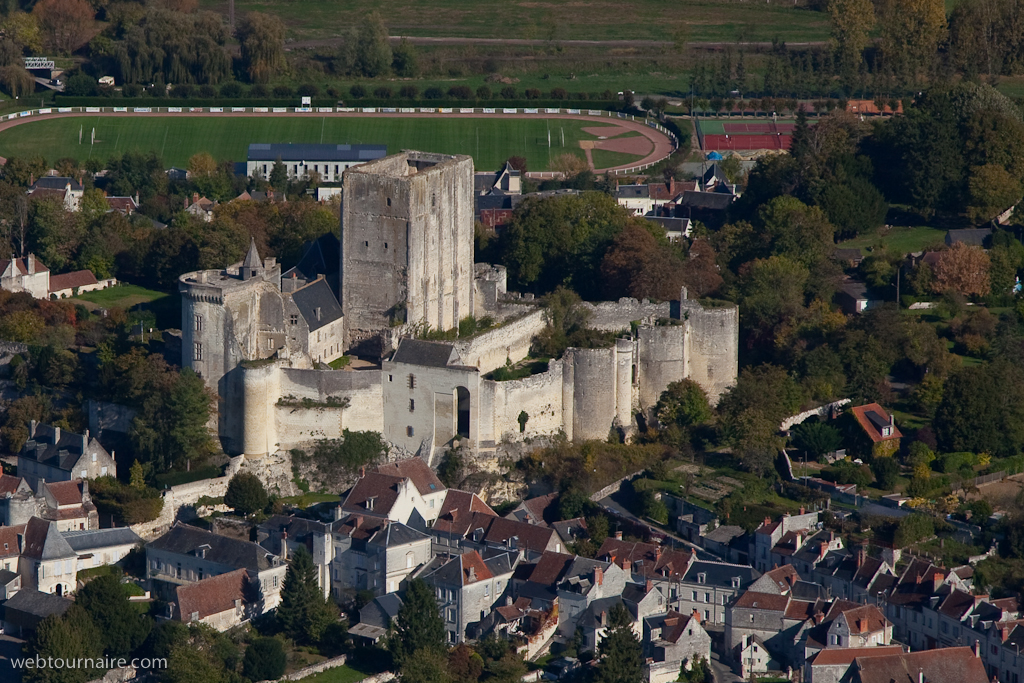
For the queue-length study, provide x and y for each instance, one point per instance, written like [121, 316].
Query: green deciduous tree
[261, 37]
[816, 438]
[991, 189]
[851, 22]
[426, 666]
[347, 454]
[371, 51]
[71, 636]
[121, 626]
[683, 403]
[982, 410]
[418, 625]
[246, 494]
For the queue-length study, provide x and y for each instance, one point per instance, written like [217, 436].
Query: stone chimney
[30, 263]
[598, 576]
[85, 441]
[696, 615]
[937, 580]
[284, 546]
[337, 513]
[56, 435]
[648, 586]
[799, 539]
[472, 573]
[627, 567]
[32, 424]
[822, 551]
[618, 535]
[977, 649]
[604, 618]
[861, 556]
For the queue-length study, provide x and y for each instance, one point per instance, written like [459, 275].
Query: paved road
[614, 508]
[722, 672]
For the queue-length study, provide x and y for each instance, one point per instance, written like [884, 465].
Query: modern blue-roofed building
[301, 160]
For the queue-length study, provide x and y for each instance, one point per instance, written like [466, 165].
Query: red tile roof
[418, 471]
[473, 568]
[125, 205]
[550, 568]
[846, 655]
[500, 530]
[870, 417]
[646, 559]
[865, 619]
[800, 610]
[457, 512]
[381, 487]
[945, 665]
[765, 601]
[9, 483]
[22, 268]
[9, 540]
[784, 576]
[541, 507]
[78, 278]
[211, 596]
[66, 492]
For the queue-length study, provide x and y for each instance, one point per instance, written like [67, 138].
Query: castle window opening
[385, 245]
[412, 405]
[366, 244]
[462, 400]
[391, 378]
[389, 201]
[199, 323]
[295, 319]
[409, 431]
[199, 351]
[412, 381]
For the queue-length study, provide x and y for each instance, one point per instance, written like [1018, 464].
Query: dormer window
[886, 431]
[735, 582]
[370, 501]
[702, 577]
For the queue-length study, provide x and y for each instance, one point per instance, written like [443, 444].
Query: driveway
[722, 672]
[611, 507]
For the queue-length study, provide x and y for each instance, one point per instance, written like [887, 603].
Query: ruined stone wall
[297, 424]
[540, 396]
[712, 349]
[489, 350]
[613, 316]
[661, 360]
[593, 392]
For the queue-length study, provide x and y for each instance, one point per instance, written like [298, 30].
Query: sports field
[746, 135]
[175, 139]
[549, 20]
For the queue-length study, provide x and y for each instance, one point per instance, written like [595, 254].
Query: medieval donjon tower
[407, 244]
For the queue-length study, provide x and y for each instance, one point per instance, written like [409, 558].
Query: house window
[408, 560]
[199, 351]
[487, 590]
[385, 245]
[707, 597]
[199, 323]
[409, 431]
[707, 615]
[695, 596]
[103, 471]
[412, 405]
[295, 319]
[451, 615]
[412, 381]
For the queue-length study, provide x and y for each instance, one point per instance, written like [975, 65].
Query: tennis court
[746, 142]
[757, 128]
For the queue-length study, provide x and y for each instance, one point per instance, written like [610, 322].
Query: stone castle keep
[262, 338]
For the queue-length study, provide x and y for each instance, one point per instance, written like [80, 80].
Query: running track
[662, 144]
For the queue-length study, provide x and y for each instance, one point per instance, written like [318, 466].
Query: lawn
[604, 158]
[899, 239]
[166, 308]
[548, 20]
[339, 674]
[175, 139]
[306, 499]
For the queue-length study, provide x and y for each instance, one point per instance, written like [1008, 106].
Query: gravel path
[662, 144]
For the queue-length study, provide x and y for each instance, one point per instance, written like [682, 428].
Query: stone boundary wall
[185, 495]
[613, 487]
[539, 395]
[820, 411]
[316, 668]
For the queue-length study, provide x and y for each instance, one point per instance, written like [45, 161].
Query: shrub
[128, 504]
[433, 93]
[582, 96]
[231, 90]
[532, 94]
[460, 92]
[264, 660]
[559, 94]
[283, 91]
[886, 470]
[509, 92]
[207, 91]
[259, 90]
[132, 90]
[245, 494]
[483, 93]
[308, 90]
[607, 95]
[357, 91]
[410, 92]
[80, 85]
[383, 93]
[333, 92]
[182, 90]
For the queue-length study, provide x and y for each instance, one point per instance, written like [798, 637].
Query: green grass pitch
[175, 139]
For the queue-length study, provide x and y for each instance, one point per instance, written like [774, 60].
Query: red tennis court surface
[740, 128]
[715, 142]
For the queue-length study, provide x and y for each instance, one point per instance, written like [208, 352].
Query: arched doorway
[58, 590]
[462, 402]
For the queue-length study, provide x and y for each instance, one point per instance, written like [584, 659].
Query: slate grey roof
[37, 604]
[429, 354]
[183, 539]
[390, 604]
[632, 192]
[396, 534]
[500, 564]
[100, 538]
[252, 257]
[321, 257]
[724, 534]
[295, 526]
[317, 304]
[972, 236]
[64, 454]
[51, 182]
[314, 152]
[494, 201]
[6, 576]
[717, 201]
[720, 573]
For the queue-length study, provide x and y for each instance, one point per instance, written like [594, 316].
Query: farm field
[899, 239]
[175, 139]
[549, 20]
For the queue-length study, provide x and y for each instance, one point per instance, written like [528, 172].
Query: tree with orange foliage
[637, 265]
[700, 271]
[65, 23]
[963, 269]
